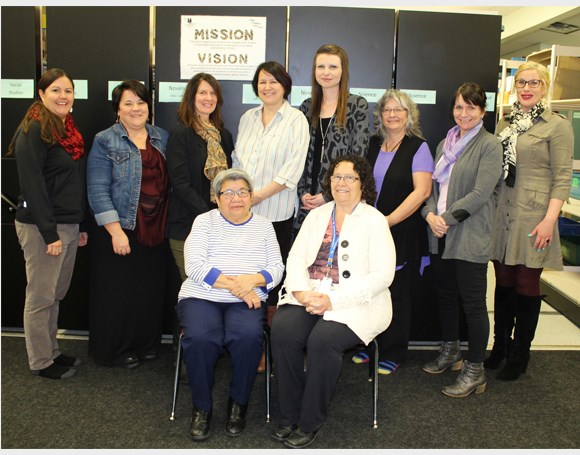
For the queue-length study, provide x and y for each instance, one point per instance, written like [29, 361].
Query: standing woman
[49, 152]
[460, 214]
[402, 168]
[127, 190]
[339, 124]
[271, 147]
[538, 147]
[199, 147]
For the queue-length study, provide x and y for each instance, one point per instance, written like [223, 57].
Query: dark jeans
[283, 230]
[456, 278]
[304, 397]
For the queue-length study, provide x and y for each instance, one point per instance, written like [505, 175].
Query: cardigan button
[344, 243]
[345, 257]
[346, 274]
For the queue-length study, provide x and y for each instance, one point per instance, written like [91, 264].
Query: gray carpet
[115, 408]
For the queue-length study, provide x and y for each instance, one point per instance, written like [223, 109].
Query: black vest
[410, 235]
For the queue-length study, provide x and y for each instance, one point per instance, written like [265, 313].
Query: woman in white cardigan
[336, 296]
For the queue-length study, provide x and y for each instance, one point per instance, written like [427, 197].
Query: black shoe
[282, 432]
[67, 361]
[495, 358]
[55, 371]
[200, 424]
[298, 439]
[150, 354]
[236, 421]
[126, 361]
[514, 368]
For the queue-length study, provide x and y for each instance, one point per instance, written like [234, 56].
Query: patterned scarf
[216, 158]
[72, 141]
[452, 148]
[520, 122]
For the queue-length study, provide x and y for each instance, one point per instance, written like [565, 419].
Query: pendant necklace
[394, 147]
[324, 134]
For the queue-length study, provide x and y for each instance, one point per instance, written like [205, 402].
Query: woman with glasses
[339, 124]
[402, 168]
[460, 215]
[232, 261]
[336, 296]
[537, 170]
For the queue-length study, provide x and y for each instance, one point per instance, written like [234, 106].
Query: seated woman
[232, 260]
[337, 295]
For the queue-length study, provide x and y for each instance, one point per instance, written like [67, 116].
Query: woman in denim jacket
[127, 191]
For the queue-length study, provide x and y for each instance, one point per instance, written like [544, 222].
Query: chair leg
[268, 371]
[375, 373]
[176, 378]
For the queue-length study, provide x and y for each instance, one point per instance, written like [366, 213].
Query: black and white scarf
[520, 122]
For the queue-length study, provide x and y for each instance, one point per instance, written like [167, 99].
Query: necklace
[394, 147]
[324, 134]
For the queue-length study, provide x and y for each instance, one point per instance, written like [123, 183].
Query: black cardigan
[410, 235]
[190, 194]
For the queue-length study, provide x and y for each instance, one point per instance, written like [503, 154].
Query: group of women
[369, 211]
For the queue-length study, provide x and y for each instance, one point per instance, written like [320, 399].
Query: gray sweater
[470, 202]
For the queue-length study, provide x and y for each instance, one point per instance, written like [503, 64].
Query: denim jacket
[114, 174]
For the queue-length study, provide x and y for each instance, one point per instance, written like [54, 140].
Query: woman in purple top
[402, 166]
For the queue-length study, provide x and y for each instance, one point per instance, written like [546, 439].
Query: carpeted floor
[114, 408]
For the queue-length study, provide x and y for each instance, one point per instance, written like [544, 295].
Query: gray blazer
[470, 202]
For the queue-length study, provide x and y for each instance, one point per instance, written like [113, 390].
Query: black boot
[200, 424]
[236, 421]
[503, 316]
[527, 315]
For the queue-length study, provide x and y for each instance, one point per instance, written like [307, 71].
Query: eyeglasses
[229, 194]
[350, 179]
[396, 110]
[532, 83]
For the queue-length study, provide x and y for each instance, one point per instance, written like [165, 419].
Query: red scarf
[73, 140]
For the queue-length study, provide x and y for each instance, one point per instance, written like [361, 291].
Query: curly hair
[362, 167]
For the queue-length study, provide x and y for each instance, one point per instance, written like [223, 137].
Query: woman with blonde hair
[538, 148]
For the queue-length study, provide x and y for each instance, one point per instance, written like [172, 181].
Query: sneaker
[388, 367]
[67, 361]
[55, 371]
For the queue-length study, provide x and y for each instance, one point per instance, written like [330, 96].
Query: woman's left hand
[317, 303]
[83, 238]
[241, 285]
[252, 300]
[544, 232]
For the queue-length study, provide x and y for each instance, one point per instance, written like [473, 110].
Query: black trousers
[283, 230]
[456, 278]
[394, 341]
[304, 397]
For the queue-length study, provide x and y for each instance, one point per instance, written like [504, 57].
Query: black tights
[524, 280]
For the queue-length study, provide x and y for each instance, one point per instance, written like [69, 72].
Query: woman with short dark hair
[127, 189]
[460, 215]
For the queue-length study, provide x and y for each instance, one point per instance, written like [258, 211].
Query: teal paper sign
[372, 95]
[490, 101]
[171, 92]
[421, 96]
[299, 94]
[18, 88]
[81, 89]
[248, 95]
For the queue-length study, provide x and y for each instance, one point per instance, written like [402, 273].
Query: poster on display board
[227, 47]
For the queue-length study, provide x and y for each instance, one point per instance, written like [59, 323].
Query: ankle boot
[503, 316]
[236, 420]
[449, 356]
[527, 315]
[472, 377]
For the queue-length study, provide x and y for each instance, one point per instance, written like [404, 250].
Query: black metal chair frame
[268, 372]
[373, 374]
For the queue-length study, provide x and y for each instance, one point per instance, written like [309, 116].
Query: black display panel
[365, 34]
[167, 56]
